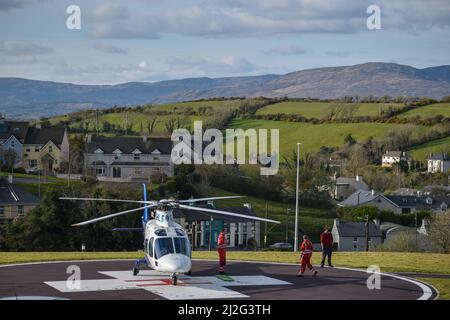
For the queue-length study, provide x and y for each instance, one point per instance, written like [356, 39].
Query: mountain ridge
[37, 98]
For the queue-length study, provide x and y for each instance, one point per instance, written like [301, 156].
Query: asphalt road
[114, 280]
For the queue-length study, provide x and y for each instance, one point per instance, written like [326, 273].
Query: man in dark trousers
[326, 240]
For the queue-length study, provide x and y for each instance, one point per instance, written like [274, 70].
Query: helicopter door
[150, 250]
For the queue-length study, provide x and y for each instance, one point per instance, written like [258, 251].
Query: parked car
[281, 246]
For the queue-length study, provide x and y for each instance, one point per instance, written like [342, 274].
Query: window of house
[355, 247]
[36, 149]
[117, 172]
[27, 149]
[156, 158]
[369, 239]
[355, 239]
[32, 163]
[137, 156]
[2, 211]
[20, 211]
[100, 171]
[137, 171]
[13, 144]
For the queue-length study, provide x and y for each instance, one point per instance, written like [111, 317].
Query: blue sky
[138, 40]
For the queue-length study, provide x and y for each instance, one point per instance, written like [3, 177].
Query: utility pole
[287, 223]
[210, 232]
[265, 230]
[367, 233]
[296, 199]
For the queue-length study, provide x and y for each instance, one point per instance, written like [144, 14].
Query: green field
[313, 136]
[429, 111]
[195, 105]
[319, 110]
[435, 146]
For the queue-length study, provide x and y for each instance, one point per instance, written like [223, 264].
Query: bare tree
[439, 231]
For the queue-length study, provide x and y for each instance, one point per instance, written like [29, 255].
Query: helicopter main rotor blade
[210, 198]
[112, 215]
[226, 213]
[109, 200]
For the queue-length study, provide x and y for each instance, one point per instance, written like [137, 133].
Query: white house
[124, 159]
[438, 163]
[393, 157]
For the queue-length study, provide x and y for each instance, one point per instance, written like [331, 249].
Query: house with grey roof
[351, 236]
[12, 138]
[438, 163]
[45, 148]
[345, 186]
[397, 203]
[14, 201]
[126, 159]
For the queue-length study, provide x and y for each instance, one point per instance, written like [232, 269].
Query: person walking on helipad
[222, 250]
[326, 240]
[305, 258]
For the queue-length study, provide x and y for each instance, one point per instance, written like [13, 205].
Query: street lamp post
[296, 199]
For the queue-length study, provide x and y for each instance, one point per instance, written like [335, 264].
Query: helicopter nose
[175, 263]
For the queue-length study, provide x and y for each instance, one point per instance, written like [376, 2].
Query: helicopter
[166, 244]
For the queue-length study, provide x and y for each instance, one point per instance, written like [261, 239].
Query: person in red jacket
[222, 250]
[305, 258]
[326, 240]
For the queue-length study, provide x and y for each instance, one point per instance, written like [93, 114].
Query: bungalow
[351, 236]
[125, 159]
[397, 204]
[15, 202]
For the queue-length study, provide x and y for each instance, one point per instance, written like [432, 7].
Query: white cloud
[20, 48]
[108, 48]
[286, 50]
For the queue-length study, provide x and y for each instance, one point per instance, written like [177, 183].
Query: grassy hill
[320, 109]
[313, 136]
[429, 111]
[435, 146]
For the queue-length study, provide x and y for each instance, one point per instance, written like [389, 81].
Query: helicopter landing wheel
[174, 280]
[135, 271]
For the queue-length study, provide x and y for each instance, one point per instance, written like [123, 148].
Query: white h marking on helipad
[160, 284]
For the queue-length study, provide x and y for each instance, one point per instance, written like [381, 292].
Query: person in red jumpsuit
[305, 258]
[222, 250]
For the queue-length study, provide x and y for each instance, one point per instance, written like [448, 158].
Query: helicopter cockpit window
[180, 232]
[161, 233]
[163, 246]
[182, 246]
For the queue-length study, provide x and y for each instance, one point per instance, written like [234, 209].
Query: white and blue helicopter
[166, 244]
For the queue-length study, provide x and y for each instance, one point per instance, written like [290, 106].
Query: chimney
[89, 138]
[2, 118]
[373, 192]
[248, 205]
[377, 222]
[358, 178]
[38, 125]
[145, 138]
